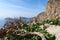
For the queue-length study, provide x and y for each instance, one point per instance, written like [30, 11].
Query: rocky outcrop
[52, 29]
[41, 17]
[52, 11]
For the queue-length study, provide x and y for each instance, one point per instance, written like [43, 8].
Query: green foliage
[10, 37]
[35, 28]
[30, 37]
[54, 22]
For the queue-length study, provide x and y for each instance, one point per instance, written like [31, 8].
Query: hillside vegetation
[27, 32]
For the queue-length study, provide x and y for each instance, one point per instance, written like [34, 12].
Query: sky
[23, 8]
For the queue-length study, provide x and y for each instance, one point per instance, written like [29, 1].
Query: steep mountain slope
[53, 9]
[52, 12]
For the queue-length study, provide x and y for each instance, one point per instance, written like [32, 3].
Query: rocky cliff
[52, 11]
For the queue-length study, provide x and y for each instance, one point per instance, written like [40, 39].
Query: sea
[2, 22]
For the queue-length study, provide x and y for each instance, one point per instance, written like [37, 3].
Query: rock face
[54, 30]
[41, 17]
[52, 11]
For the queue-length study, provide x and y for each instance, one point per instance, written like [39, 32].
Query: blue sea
[2, 22]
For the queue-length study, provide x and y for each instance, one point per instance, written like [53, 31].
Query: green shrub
[54, 22]
[35, 28]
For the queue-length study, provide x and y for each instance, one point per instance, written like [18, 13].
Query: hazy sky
[25, 8]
